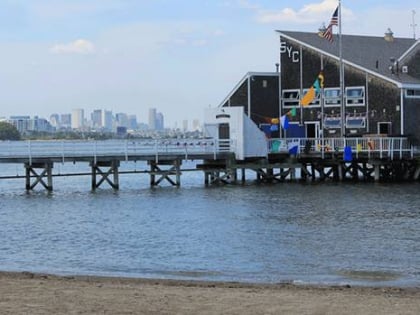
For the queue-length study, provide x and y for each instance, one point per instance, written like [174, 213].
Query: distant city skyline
[76, 115]
[99, 120]
[179, 56]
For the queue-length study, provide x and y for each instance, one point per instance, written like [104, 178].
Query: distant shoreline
[37, 293]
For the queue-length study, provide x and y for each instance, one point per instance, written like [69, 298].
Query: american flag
[328, 34]
[334, 18]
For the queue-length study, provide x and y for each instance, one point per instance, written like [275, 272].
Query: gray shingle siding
[367, 64]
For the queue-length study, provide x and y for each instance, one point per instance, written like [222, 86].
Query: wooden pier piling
[398, 164]
[156, 169]
[112, 166]
[31, 173]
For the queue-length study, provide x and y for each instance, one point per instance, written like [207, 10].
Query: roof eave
[409, 50]
[244, 78]
[410, 86]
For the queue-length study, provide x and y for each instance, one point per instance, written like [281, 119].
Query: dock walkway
[368, 159]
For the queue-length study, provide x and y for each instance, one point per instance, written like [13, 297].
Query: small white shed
[246, 139]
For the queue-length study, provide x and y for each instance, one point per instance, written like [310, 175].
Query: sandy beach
[28, 293]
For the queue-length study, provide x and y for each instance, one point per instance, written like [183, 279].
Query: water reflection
[316, 233]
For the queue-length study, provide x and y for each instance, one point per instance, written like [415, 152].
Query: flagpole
[280, 91]
[340, 48]
[322, 108]
[301, 84]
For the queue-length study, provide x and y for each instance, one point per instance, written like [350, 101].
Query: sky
[178, 56]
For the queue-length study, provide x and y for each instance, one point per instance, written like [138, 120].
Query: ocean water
[316, 233]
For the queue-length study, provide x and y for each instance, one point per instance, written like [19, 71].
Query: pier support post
[355, 171]
[173, 170]
[220, 176]
[336, 173]
[270, 174]
[377, 172]
[340, 172]
[234, 174]
[105, 175]
[417, 173]
[293, 173]
[313, 172]
[30, 172]
[304, 173]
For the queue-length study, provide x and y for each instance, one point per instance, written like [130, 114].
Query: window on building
[332, 122]
[332, 97]
[412, 93]
[384, 128]
[356, 122]
[264, 83]
[291, 98]
[355, 96]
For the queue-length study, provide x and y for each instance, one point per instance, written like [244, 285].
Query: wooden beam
[30, 172]
[105, 175]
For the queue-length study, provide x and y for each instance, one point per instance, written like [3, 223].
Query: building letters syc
[293, 54]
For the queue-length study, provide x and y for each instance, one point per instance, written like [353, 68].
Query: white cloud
[79, 46]
[308, 14]
[320, 8]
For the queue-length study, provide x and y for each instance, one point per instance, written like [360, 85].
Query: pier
[333, 159]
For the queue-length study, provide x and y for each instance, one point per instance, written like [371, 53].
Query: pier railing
[372, 147]
[64, 150]
[69, 149]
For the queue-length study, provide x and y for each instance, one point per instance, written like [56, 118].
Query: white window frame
[264, 83]
[332, 101]
[326, 126]
[416, 93]
[296, 99]
[355, 101]
[361, 126]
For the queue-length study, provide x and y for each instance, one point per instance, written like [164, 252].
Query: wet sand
[28, 293]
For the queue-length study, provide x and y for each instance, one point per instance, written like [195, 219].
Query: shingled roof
[370, 53]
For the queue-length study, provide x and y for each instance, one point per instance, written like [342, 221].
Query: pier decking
[337, 159]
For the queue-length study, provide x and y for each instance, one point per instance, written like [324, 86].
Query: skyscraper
[96, 118]
[107, 120]
[159, 121]
[122, 120]
[77, 118]
[196, 125]
[132, 122]
[65, 120]
[152, 118]
[55, 120]
[185, 125]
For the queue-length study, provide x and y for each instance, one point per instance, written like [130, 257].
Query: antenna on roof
[414, 25]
